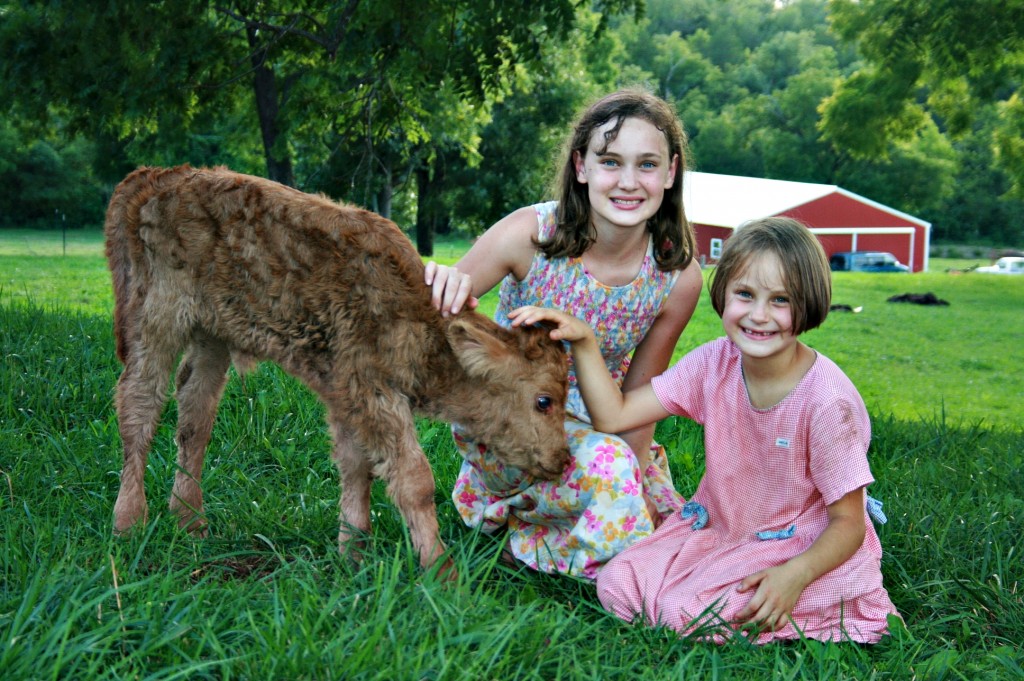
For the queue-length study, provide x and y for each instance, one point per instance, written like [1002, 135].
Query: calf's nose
[552, 467]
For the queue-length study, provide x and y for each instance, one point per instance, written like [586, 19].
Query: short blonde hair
[805, 270]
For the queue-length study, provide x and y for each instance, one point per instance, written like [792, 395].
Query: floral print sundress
[576, 524]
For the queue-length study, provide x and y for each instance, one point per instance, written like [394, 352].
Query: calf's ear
[478, 348]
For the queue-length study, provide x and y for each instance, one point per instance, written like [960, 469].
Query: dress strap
[547, 219]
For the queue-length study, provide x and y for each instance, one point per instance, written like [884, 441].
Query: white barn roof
[731, 200]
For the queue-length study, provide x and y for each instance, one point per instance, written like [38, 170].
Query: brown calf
[229, 268]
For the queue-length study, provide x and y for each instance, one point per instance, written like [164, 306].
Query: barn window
[716, 249]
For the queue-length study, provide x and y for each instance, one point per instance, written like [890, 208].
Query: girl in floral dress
[777, 535]
[615, 249]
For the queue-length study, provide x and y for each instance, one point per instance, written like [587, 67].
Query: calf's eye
[544, 404]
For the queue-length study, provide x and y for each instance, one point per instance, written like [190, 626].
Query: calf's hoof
[447, 573]
[190, 516]
[127, 518]
[351, 544]
[195, 526]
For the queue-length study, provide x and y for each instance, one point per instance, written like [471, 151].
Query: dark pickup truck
[866, 261]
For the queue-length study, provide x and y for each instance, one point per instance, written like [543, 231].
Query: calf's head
[518, 384]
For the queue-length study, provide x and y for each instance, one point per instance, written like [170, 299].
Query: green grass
[266, 595]
[45, 269]
[963, 360]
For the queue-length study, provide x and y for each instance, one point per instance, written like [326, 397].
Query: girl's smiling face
[758, 315]
[626, 181]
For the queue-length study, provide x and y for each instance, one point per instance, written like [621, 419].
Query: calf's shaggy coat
[225, 267]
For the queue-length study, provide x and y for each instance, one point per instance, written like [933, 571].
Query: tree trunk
[384, 194]
[426, 213]
[279, 164]
[384, 198]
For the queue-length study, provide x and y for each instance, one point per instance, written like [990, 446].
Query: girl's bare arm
[611, 410]
[507, 247]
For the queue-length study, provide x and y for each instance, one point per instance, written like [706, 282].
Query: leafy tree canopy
[358, 67]
[944, 57]
[447, 114]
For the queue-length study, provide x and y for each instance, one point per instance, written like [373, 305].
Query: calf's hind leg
[139, 399]
[200, 383]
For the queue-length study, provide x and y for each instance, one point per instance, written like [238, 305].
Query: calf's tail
[124, 248]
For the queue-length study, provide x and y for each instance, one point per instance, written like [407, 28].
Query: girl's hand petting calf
[450, 289]
[567, 328]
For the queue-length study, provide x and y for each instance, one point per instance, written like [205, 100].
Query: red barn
[842, 220]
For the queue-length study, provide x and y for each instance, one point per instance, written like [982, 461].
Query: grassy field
[267, 597]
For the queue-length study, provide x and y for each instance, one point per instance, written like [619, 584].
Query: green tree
[945, 58]
[748, 78]
[352, 70]
[47, 184]
[111, 72]
[917, 175]
[521, 145]
[979, 209]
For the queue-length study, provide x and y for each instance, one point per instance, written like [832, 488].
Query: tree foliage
[447, 115]
[945, 58]
[359, 67]
[749, 78]
[521, 145]
[47, 184]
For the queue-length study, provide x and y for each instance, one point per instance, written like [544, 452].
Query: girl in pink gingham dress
[616, 250]
[777, 537]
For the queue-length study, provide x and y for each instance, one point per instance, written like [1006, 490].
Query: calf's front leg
[385, 429]
[411, 485]
[355, 475]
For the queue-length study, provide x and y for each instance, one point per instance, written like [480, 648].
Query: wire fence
[51, 242]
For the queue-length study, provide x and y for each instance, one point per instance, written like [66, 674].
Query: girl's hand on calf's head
[450, 288]
[566, 327]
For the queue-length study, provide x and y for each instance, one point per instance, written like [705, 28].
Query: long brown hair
[672, 233]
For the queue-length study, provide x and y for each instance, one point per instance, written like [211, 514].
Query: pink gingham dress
[766, 470]
[574, 525]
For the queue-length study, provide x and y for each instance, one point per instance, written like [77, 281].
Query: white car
[1007, 265]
